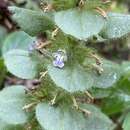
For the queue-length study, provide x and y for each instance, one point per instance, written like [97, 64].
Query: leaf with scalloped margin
[32, 22]
[117, 26]
[81, 24]
[12, 100]
[65, 118]
[17, 40]
[5, 126]
[109, 76]
[20, 63]
[71, 78]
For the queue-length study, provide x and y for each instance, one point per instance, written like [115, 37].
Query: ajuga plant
[78, 88]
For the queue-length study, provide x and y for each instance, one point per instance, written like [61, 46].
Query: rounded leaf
[81, 24]
[12, 100]
[71, 78]
[20, 63]
[66, 118]
[17, 40]
[109, 76]
[32, 22]
[117, 26]
[5, 126]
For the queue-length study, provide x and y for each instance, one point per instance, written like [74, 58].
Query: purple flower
[59, 59]
[59, 62]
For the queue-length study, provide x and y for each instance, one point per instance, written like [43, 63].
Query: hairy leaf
[109, 76]
[72, 78]
[117, 26]
[20, 64]
[5, 126]
[65, 118]
[32, 22]
[17, 40]
[81, 24]
[12, 99]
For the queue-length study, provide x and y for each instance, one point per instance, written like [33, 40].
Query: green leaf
[99, 93]
[71, 78]
[116, 103]
[20, 63]
[2, 72]
[12, 99]
[65, 118]
[109, 76]
[126, 124]
[81, 24]
[17, 40]
[17, 58]
[5, 126]
[32, 22]
[119, 98]
[124, 85]
[125, 68]
[117, 26]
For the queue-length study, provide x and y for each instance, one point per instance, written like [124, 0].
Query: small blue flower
[59, 59]
[58, 62]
